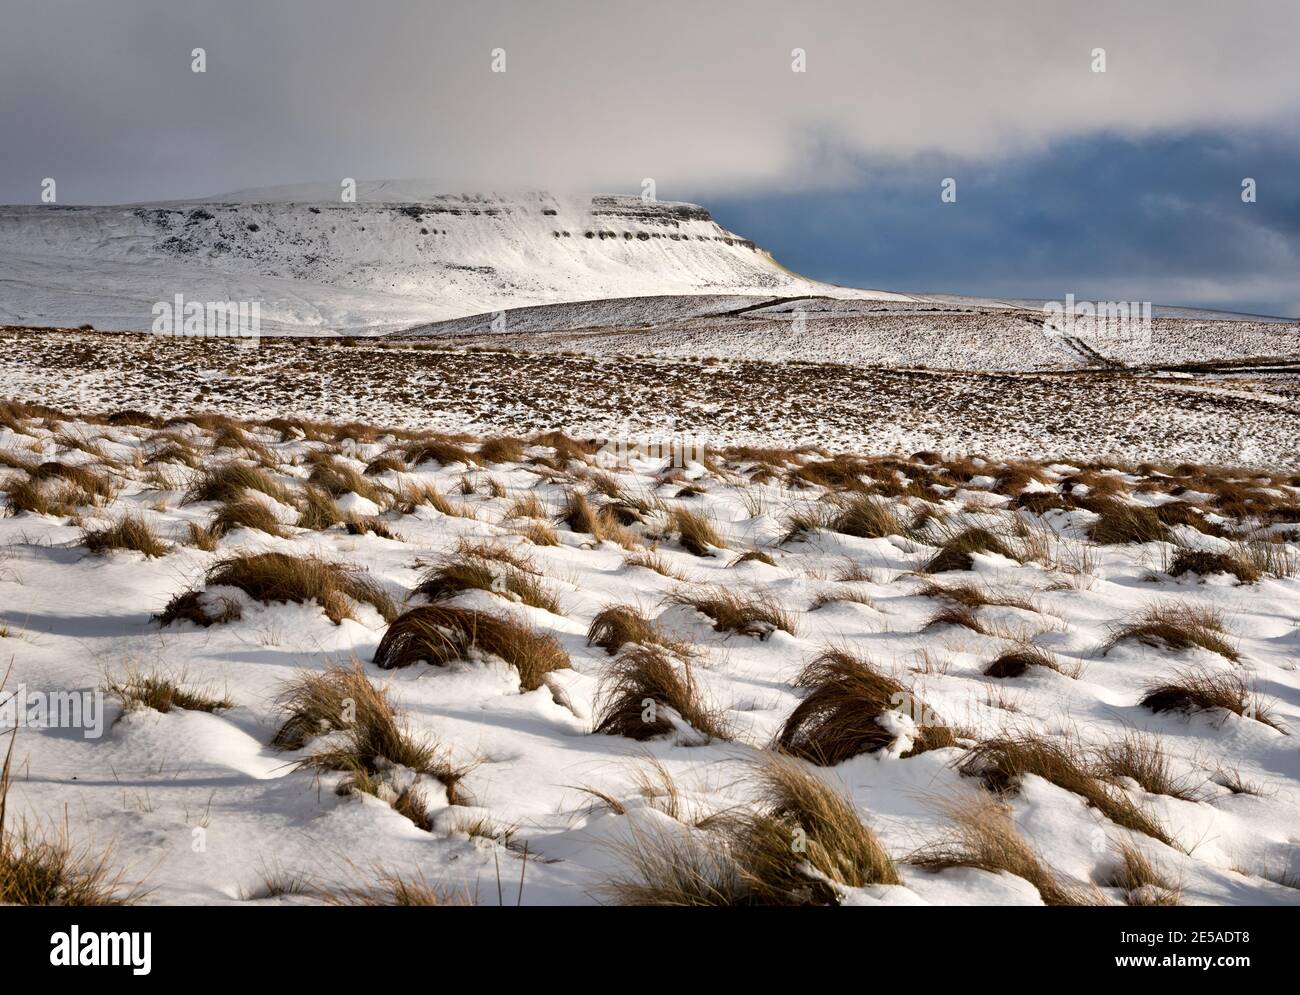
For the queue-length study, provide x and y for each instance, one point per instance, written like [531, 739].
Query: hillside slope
[400, 255]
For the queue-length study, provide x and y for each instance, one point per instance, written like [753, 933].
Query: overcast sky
[1063, 174]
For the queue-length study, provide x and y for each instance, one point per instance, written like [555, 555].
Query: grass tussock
[336, 478]
[1120, 522]
[803, 845]
[1141, 881]
[488, 567]
[735, 611]
[579, 516]
[1175, 626]
[983, 836]
[868, 518]
[617, 625]
[151, 689]
[853, 708]
[370, 737]
[1204, 563]
[1142, 759]
[129, 532]
[246, 513]
[442, 452]
[440, 635]
[753, 556]
[1201, 690]
[230, 482]
[1020, 659]
[1003, 761]
[651, 559]
[957, 551]
[647, 692]
[696, 533]
[279, 577]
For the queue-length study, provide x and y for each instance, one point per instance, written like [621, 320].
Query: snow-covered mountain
[400, 255]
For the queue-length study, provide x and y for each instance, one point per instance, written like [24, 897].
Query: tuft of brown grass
[1003, 761]
[336, 478]
[616, 625]
[1141, 881]
[528, 506]
[646, 693]
[983, 836]
[440, 635]
[152, 689]
[1018, 660]
[1141, 758]
[1121, 522]
[1204, 563]
[652, 559]
[130, 532]
[734, 611]
[957, 551]
[579, 516]
[501, 449]
[841, 716]
[229, 482]
[491, 568]
[1175, 626]
[442, 452]
[246, 513]
[696, 533]
[868, 518]
[1201, 690]
[753, 556]
[393, 889]
[374, 739]
[279, 577]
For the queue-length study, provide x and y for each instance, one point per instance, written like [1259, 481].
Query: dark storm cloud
[699, 96]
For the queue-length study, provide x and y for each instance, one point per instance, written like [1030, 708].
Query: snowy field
[1246, 416]
[353, 664]
[977, 336]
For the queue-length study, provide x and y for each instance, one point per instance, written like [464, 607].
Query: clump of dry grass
[385, 463]
[803, 845]
[317, 510]
[1003, 761]
[374, 739]
[1142, 759]
[1018, 660]
[229, 482]
[735, 611]
[246, 513]
[652, 559]
[646, 693]
[1201, 690]
[1141, 881]
[956, 615]
[152, 689]
[1175, 626]
[440, 635]
[616, 625]
[393, 889]
[538, 533]
[443, 452]
[579, 515]
[957, 551]
[98, 485]
[527, 506]
[984, 837]
[337, 478]
[805, 824]
[39, 498]
[277, 577]
[868, 518]
[696, 533]
[1121, 522]
[501, 449]
[752, 556]
[841, 716]
[488, 567]
[130, 532]
[1204, 563]
[975, 596]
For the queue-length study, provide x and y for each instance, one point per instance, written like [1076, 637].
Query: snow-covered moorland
[344, 663]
